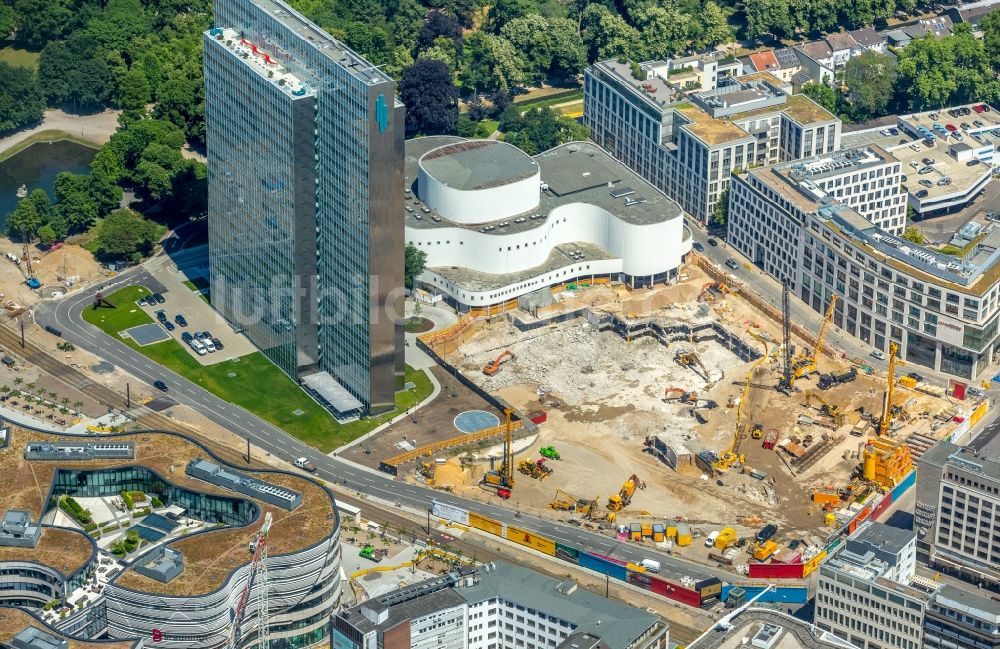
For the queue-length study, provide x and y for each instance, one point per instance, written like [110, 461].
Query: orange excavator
[494, 367]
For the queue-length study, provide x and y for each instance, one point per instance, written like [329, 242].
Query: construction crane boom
[258, 575]
[827, 319]
[787, 378]
[883, 425]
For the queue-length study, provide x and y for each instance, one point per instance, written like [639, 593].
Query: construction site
[692, 405]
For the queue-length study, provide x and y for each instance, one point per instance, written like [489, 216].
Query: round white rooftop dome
[477, 181]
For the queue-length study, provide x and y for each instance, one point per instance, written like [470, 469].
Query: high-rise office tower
[305, 199]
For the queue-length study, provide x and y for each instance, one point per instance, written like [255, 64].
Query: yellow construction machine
[567, 502]
[690, 359]
[537, 469]
[502, 480]
[830, 410]
[731, 455]
[806, 363]
[886, 420]
[622, 499]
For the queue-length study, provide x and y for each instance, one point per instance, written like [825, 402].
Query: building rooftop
[884, 537]
[654, 90]
[709, 130]
[765, 60]
[617, 624]
[787, 58]
[409, 609]
[209, 557]
[478, 164]
[323, 42]
[841, 41]
[262, 62]
[867, 37]
[816, 50]
[14, 621]
[748, 623]
[980, 604]
[576, 172]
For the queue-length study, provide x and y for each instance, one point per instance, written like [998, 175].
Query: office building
[688, 142]
[190, 573]
[957, 511]
[941, 310]
[305, 153]
[499, 605]
[498, 225]
[863, 593]
[962, 618]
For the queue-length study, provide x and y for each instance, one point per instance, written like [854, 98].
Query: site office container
[635, 532]
[683, 534]
[647, 530]
[659, 533]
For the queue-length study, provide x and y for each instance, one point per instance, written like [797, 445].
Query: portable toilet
[683, 534]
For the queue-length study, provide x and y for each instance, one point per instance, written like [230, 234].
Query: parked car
[187, 337]
[712, 242]
[878, 353]
[732, 263]
[794, 543]
[697, 246]
[169, 326]
[159, 298]
[218, 344]
[161, 316]
[766, 533]
[951, 127]
[926, 170]
[928, 161]
[926, 183]
[916, 377]
[978, 108]
[884, 131]
[198, 347]
[965, 126]
[207, 335]
[305, 465]
[199, 335]
[922, 193]
[944, 181]
[181, 320]
[141, 301]
[209, 345]
[160, 385]
[893, 130]
[972, 163]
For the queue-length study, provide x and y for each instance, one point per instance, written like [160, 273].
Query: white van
[710, 541]
[209, 345]
[650, 565]
[198, 347]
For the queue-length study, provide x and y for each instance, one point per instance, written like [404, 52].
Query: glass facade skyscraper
[305, 177]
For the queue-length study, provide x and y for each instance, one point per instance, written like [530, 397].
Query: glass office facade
[111, 482]
[306, 200]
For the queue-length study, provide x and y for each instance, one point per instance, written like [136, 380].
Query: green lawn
[200, 284]
[19, 58]
[550, 101]
[251, 381]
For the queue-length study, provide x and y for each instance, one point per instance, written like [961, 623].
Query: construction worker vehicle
[758, 431]
[369, 552]
[567, 502]
[535, 468]
[549, 452]
[827, 381]
[502, 479]
[622, 499]
[494, 367]
[690, 359]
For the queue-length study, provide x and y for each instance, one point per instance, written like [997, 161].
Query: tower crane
[883, 424]
[258, 575]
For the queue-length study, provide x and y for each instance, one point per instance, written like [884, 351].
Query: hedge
[73, 508]
[127, 497]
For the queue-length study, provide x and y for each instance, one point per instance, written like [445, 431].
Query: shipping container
[882, 506]
[765, 550]
[683, 534]
[775, 571]
[538, 416]
[602, 566]
[671, 530]
[787, 556]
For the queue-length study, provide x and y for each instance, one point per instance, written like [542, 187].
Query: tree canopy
[428, 90]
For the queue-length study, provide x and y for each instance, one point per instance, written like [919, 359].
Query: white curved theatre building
[497, 223]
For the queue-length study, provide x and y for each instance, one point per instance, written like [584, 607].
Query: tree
[181, 101]
[46, 235]
[438, 24]
[443, 50]
[491, 63]
[990, 26]
[39, 21]
[503, 11]
[135, 90]
[664, 30]
[74, 73]
[531, 37]
[21, 102]
[932, 73]
[766, 18]
[721, 212]
[871, 77]
[569, 56]
[822, 94]
[913, 234]
[43, 206]
[428, 90]
[415, 260]
[607, 35]
[24, 221]
[75, 205]
[539, 129]
[125, 232]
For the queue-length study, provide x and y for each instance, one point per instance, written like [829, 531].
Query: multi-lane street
[65, 315]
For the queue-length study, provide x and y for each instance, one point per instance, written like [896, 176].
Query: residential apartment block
[863, 594]
[957, 512]
[686, 142]
[941, 310]
[305, 189]
[499, 605]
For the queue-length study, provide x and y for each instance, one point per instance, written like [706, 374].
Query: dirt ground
[51, 268]
[604, 395]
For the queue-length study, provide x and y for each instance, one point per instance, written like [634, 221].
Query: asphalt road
[65, 315]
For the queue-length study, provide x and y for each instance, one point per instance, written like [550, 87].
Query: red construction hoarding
[776, 570]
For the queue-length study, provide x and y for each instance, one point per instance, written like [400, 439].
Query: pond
[37, 166]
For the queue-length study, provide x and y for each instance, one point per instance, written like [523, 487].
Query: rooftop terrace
[13, 621]
[208, 557]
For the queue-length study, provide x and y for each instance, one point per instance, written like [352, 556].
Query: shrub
[138, 496]
[90, 527]
[127, 497]
[156, 502]
[73, 508]
[144, 512]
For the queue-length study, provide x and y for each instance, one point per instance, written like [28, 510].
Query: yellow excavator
[621, 500]
[830, 410]
[690, 359]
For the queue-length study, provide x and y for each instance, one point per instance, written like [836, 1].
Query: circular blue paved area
[471, 421]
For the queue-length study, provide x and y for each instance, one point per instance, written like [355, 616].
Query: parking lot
[179, 299]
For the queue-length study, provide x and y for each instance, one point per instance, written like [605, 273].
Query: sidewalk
[93, 128]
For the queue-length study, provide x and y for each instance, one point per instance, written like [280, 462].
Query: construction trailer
[683, 534]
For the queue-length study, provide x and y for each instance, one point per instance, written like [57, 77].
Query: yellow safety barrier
[461, 440]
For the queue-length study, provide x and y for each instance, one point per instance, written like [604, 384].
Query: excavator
[692, 360]
[567, 502]
[830, 410]
[621, 500]
[502, 480]
[494, 367]
[535, 468]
